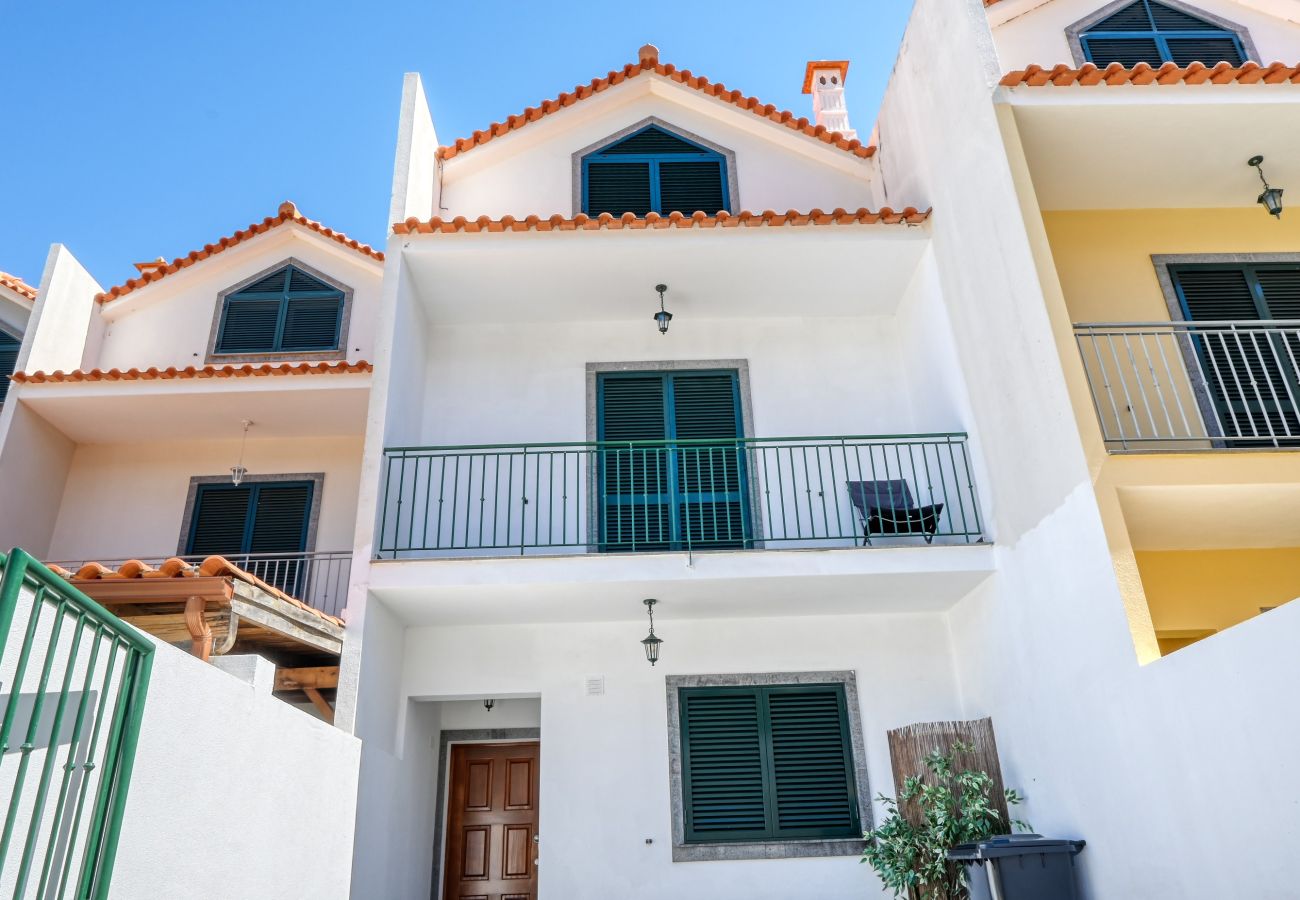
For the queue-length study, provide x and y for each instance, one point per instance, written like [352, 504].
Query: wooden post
[909, 746]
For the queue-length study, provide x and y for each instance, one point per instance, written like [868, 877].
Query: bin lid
[1013, 845]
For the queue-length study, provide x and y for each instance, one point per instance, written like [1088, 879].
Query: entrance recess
[492, 840]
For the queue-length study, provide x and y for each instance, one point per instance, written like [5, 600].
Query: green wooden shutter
[1153, 33]
[712, 511]
[812, 764]
[313, 314]
[618, 187]
[1250, 375]
[8, 361]
[288, 311]
[688, 187]
[636, 481]
[280, 518]
[248, 325]
[765, 763]
[649, 142]
[220, 520]
[723, 749]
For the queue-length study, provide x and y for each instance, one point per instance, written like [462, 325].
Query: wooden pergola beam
[314, 678]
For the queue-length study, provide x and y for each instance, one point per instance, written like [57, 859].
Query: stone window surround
[790, 849]
[1162, 263]
[1074, 33]
[445, 740]
[313, 514]
[340, 352]
[739, 366]
[733, 188]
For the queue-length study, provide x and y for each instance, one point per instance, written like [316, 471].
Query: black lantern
[488, 704]
[1270, 198]
[663, 317]
[650, 642]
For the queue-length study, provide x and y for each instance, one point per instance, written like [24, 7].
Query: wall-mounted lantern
[650, 642]
[488, 704]
[1270, 198]
[663, 317]
[239, 470]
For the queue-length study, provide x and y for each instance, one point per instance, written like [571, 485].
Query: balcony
[657, 496]
[1227, 385]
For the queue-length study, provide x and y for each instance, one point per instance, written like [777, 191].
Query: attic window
[654, 170]
[287, 311]
[1157, 33]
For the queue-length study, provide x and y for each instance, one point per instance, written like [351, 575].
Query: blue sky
[150, 128]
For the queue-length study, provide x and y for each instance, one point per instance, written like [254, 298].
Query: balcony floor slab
[720, 584]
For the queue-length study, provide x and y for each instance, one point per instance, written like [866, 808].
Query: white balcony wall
[531, 171]
[30, 500]
[1034, 33]
[124, 500]
[170, 322]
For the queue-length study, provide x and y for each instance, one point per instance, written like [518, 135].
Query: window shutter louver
[288, 311]
[688, 187]
[617, 188]
[811, 766]
[220, 517]
[722, 751]
[8, 361]
[1151, 32]
[1250, 374]
[1185, 51]
[705, 408]
[654, 171]
[636, 480]
[280, 519]
[767, 763]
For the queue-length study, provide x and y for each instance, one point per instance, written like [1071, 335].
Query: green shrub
[954, 807]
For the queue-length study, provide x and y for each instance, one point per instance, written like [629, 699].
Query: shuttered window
[288, 311]
[269, 517]
[1251, 374]
[672, 472]
[765, 763]
[1154, 33]
[654, 170]
[8, 360]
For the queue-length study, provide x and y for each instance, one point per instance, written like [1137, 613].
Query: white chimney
[824, 79]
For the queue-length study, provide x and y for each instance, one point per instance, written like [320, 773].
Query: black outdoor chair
[887, 508]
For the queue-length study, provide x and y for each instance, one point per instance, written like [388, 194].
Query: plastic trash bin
[1019, 867]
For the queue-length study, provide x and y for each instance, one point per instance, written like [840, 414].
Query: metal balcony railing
[1194, 385]
[319, 579]
[751, 493]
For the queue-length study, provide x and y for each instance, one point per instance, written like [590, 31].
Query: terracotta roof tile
[287, 213]
[629, 221]
[212, 567]
[17, 285]
[1196, 73]
[649, 62]
[248, 370]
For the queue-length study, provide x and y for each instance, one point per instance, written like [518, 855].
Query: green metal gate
[73, 679]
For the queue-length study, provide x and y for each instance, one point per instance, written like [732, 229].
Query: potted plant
[933, 813]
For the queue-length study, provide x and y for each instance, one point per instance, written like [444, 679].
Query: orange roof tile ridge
[228, 371]
[17, 285]
[1141, 74]
[211, 567]
[630, 221]
[287, 212]
[650, 63]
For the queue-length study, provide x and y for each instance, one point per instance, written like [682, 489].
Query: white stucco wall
[604, 774]
[235, 793]
[14, 312]
[124, 500]
[169, 322]
[531, 172]
[1037, 35]
[34, 461]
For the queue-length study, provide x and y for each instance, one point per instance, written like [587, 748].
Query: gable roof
[649, 62]
[17, 285]
[287, 213]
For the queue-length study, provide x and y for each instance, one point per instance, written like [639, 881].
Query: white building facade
[866, 468]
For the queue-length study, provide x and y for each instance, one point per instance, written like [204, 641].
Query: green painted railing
[750, 493]
[73, 679]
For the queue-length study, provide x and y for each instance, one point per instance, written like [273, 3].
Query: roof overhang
[172, 409]
[1155, 146]
[609, 275]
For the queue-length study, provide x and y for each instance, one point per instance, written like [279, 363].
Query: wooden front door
[492, 822]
